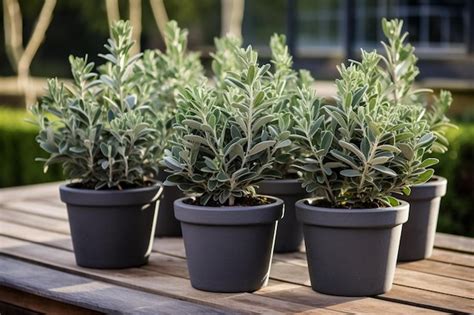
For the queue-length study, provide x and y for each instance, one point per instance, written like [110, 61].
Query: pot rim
[126, 197]
[429, 190]
[351, 218]
[228, 215]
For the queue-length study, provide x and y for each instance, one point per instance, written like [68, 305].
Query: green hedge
[457, 212]
[18, 150]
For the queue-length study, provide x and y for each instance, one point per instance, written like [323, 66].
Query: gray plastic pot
[289, 235]
[419, 232]
[166, 224]
[351, 252]
[229, 249]
[111, 229]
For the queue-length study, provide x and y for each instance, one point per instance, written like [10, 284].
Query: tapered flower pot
[289, 235]
[166, 224]
[111, 229]
[228, 249]
[419, 231]
[351, 252]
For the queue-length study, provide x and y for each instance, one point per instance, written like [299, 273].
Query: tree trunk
[232, 12]
[161, 17]
[113, 12]
[135, 14]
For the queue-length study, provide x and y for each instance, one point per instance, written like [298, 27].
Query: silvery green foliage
[362, 150]
[224, 144]
[225, 59]
[99, 128]
[163, 73]
[400, 61]
[284, 80]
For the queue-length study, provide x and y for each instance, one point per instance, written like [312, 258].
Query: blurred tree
[160, 15]
[21, 57]
[134, 15]
[232, 12]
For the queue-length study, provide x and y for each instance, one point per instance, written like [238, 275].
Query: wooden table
[38, 271]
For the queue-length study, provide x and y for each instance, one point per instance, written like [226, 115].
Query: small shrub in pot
[419, 232]
[224, 148]
[163, 73]
[101, 129]
[285, 82]
[356, 155]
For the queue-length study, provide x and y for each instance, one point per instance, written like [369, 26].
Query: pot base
[111, 229]
[229, 249]
[419, 231]
[351, 252]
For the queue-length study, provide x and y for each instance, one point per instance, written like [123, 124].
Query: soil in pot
[166, 224]
[111, 228]
[229, 249]
[351, 252]
[289, 237]
[419, 231]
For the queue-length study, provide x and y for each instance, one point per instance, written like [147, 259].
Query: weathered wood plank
[353, 305]
[166, 264]
[450, 257]
[143, 279]
[86, 293]
[40, 208]
[440, 269]
[455, 242]
[32, 220]
[25, 192]
[281, 271]
[434, 283]
[18, 302]
[419, 297]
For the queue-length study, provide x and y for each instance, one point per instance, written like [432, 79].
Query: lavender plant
[100, 128]
[162, 74]
[400, 62]
[225, 145]
[372, 143]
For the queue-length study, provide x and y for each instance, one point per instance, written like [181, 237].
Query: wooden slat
[455, 242]
[451, 257]
[440, 269]
[433, 296]
[175, 246]
[24, 192]
[452, 304]
[90, 294]
[147, 280]
[417, 283]
[434, 283]
[18, 302]
[39, 208]
[281, 271]
[353, 305]
[177, 266]
[41, 222]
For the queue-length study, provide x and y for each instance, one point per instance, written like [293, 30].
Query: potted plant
[285, 83]
[224, 148]
[419, 231]
[162, 73]
[100, 129]
[356, 155]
